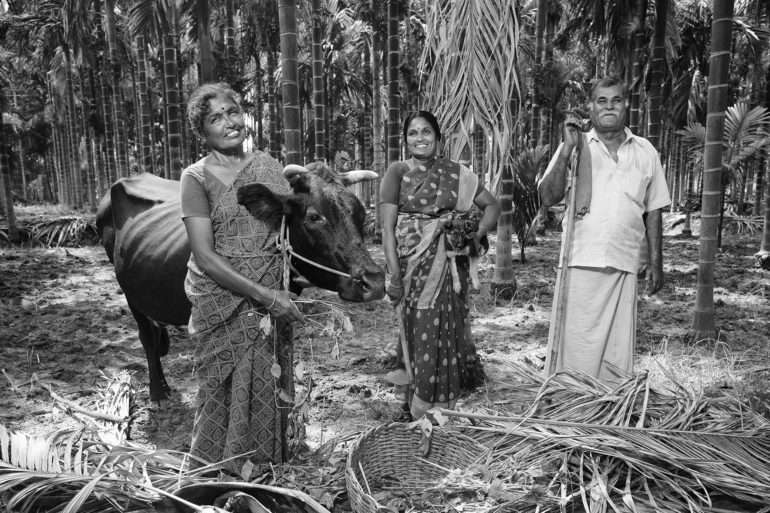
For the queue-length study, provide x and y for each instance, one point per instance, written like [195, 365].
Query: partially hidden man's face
[608, 109]
[223, 127]
[421, 139]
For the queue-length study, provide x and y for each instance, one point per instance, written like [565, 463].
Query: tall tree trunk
[259, 103]
[145, 108]
[172, 103]
[6, 192]
[207, 70]
[287, 21]
[719, 64]
[657, 67]
[763, 255]
[394, 97]
[377, 135]
[537, 122]
[72, 130]
[367, 151]
[117, 115]
[640, 45]
[272, 102]
[232, 61]
[503, 278]
[90, 180]
[319, 101]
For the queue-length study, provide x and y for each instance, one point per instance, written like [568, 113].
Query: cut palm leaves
[69, 471]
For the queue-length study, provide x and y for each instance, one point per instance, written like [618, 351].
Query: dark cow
[140, 225]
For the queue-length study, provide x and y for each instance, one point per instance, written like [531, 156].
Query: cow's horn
[358, 175]
[292, 170]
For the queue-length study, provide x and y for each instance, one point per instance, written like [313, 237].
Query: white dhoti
[599, 331]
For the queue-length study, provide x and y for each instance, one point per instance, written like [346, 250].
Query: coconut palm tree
[721, 37]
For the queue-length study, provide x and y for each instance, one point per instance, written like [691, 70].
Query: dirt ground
[64, 324]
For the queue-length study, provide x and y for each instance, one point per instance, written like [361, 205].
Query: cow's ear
[262, 203]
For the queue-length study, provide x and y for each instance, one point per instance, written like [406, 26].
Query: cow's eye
[315, 217]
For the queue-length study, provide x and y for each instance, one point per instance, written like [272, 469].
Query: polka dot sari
[436, 318]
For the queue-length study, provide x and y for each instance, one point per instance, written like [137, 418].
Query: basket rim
[354, 487]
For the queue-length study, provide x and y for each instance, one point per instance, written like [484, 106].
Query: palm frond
[669, 450]
[64, 231]
[473, 49]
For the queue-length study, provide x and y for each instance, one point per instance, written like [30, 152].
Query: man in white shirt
[620, 182]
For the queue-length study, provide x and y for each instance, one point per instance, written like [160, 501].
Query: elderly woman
[418, 196]
[231, 289]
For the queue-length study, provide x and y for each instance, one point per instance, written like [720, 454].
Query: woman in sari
[418, 198]
[233, 281]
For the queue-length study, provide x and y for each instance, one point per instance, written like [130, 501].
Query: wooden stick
[556, 331]
[404, 344]
[79, 409]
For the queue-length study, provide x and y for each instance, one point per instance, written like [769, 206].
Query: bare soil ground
[64, 324]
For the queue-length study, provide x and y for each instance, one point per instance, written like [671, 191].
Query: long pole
[556, 331]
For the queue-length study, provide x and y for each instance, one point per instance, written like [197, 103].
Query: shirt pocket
[633, 186]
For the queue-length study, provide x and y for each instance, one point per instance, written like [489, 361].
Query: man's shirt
[612, 232]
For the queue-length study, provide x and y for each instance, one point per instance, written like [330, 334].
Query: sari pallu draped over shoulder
[435, 316]
[239, 409]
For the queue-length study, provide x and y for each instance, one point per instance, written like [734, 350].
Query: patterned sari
[238, 405]
[436, 318]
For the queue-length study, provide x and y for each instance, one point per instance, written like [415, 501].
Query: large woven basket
[390, 456]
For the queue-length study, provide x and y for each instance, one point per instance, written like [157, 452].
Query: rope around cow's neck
[287, 251]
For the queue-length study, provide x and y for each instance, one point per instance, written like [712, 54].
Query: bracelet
[275, 296]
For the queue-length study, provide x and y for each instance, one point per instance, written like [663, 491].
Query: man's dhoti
[599, 331]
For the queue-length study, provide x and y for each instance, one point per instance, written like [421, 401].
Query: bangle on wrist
[275, 296]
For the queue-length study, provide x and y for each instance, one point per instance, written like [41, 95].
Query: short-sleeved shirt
[612, 232]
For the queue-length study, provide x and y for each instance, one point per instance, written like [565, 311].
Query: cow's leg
[155, 342]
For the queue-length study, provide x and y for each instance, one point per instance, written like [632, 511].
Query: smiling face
[608, 109]
[421, 140]
[223, 126]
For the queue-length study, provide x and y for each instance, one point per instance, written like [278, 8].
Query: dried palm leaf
[71, 470]
[628, 446]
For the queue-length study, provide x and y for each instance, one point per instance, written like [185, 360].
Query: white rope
[286, 250]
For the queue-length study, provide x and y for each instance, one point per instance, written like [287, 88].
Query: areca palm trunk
[378, 162]
[719, 63]
[537, 122]
[394, 98]
[232, 61]
[287, 21]
[657, 66]
[72, 131]
[636, 66]
[207, 71]
[5, 184]
[117, 117]
[272, 102]
[145, 109]
[319, 102]
[763, 255]
[90, 180]
[504, 279]
[173, 116]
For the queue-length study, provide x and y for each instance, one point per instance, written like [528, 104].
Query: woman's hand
[395, 291]
[282, 307]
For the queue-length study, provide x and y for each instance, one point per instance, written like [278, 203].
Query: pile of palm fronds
[64, 231]
[627, 448]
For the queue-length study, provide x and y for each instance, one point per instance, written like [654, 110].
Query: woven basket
[390, 456]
